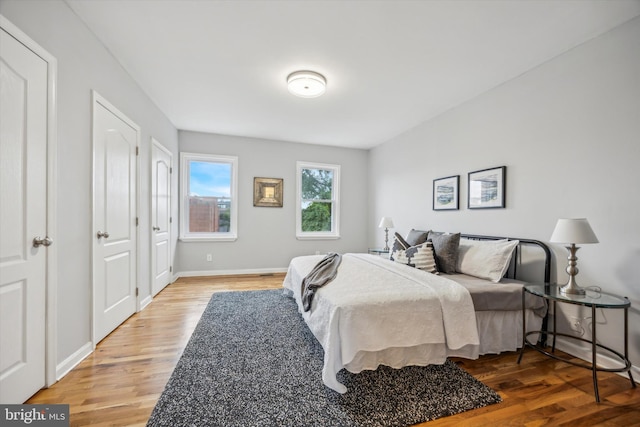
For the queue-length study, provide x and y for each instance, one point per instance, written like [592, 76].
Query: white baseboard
[72, 361]
[230, 272]
[145, 302]
[604, 360]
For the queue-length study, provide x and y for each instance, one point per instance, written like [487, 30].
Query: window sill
[224, 238]
[317, 236]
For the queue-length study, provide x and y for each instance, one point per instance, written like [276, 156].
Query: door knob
[156, 228]
[101, 234]
[37, 241]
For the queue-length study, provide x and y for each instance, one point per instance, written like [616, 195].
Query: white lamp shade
[386, 222]
[573, 230]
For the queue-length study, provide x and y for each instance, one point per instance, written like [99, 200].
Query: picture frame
[446, 193]
[487, 188]
[267, 192]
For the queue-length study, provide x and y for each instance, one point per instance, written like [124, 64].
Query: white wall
[569, 134]
[266, 236]
[84, 64]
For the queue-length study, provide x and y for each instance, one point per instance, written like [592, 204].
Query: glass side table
[378, 251]
[551, 293]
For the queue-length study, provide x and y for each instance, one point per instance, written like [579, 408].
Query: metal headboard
[544, 247]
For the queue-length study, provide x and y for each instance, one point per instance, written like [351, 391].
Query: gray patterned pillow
[419, 256]
[399, 243]
[446, 248]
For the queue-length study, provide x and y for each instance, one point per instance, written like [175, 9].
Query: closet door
[115, 166]
[23, 219]
[161, 172]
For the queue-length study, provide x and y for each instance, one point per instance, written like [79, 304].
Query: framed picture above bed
[445, 193]
[486, 189]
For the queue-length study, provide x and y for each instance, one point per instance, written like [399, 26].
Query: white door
[160, 216]
[115, 141]
[23, 214]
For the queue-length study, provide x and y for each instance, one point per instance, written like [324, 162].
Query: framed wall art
[486, 189]
[267, 192]
[445, 193]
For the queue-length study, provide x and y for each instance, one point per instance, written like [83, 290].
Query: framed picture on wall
[486, 189]
[267, 192]
[445, 193]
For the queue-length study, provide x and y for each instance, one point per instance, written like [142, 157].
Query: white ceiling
[221, 66]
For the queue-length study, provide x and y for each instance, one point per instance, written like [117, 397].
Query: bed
[379, 311]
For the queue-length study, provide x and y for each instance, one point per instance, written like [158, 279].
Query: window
[318, 201]
[209, 197]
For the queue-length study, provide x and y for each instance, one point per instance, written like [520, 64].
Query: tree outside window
[318, 201]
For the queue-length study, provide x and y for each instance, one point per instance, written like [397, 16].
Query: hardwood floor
[119, 384]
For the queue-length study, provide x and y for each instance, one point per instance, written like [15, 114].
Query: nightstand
[379, 251]
[594, 300]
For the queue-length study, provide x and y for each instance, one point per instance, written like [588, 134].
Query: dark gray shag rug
[252, 361]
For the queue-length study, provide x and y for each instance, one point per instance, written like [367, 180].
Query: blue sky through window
[210, 179]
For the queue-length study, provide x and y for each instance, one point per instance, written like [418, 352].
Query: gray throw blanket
[324, 272]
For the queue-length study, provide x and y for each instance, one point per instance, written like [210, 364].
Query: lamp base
[386, 239]
[572, 287]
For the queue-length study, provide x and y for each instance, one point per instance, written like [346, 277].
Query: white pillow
[486, 259]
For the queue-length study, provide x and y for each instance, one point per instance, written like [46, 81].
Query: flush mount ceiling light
[306, 84]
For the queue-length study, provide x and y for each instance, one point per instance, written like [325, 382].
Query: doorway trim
[51, 274]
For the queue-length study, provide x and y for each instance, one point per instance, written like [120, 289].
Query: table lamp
[386, 223]
[572, 231]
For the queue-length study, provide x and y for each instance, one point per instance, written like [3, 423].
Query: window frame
[335, 202]
[185, 234]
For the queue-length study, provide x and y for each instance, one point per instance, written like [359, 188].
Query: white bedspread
[380, 312]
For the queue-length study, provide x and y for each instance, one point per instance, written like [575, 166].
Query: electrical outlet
[575, 323]
[209, 257]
